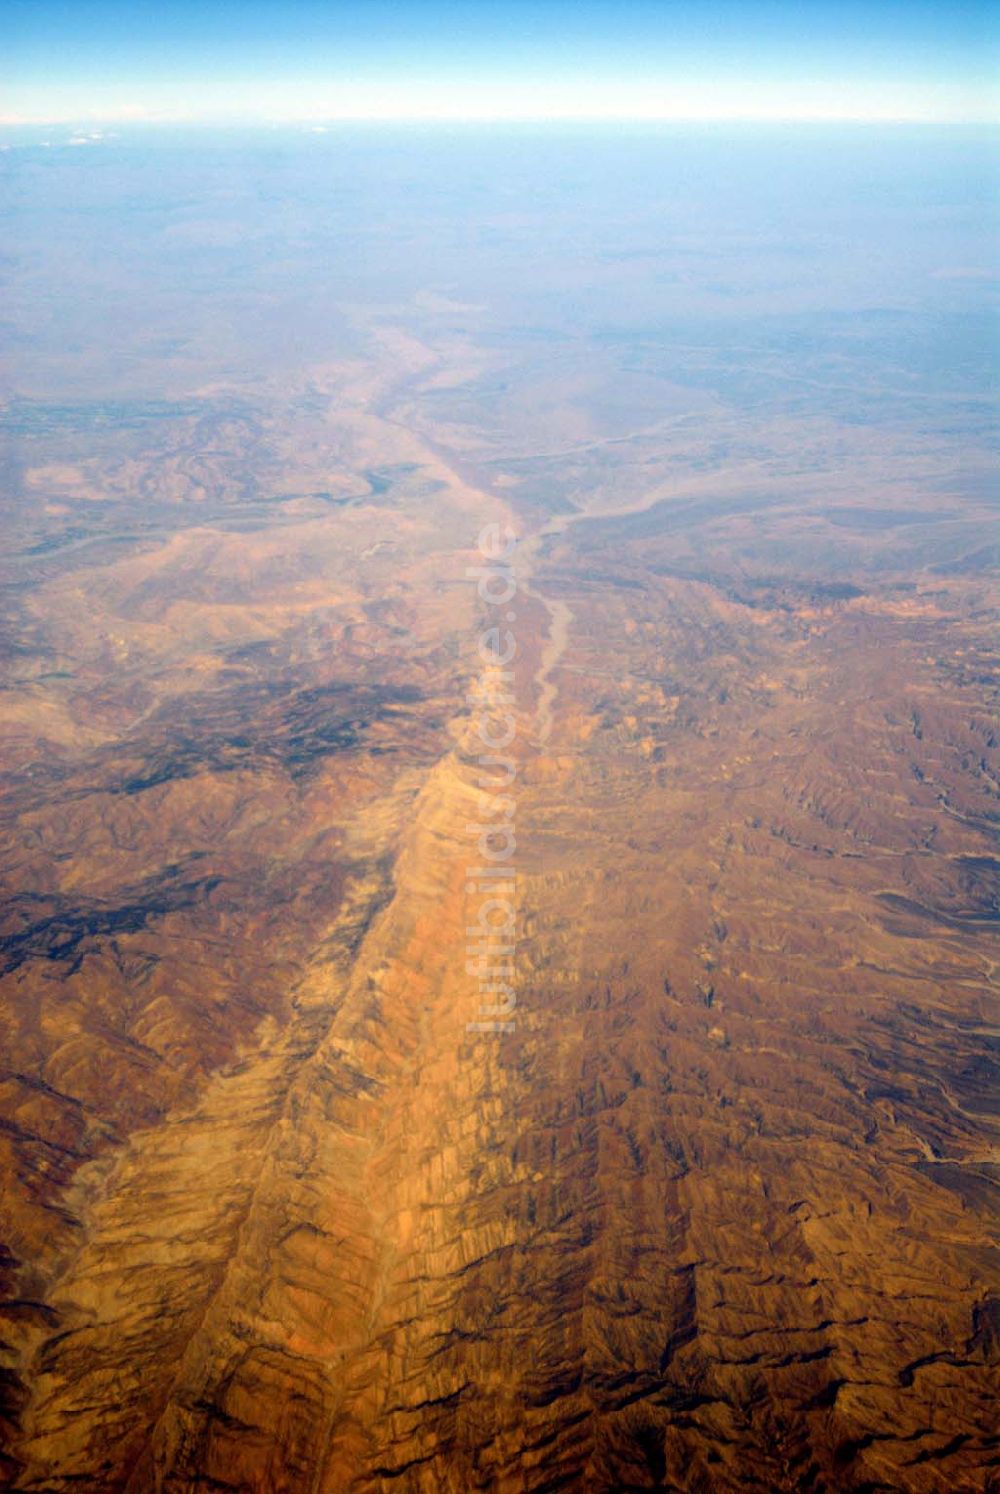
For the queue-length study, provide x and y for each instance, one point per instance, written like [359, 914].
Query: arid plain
[719, 1213]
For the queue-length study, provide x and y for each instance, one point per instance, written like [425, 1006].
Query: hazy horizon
[437, 59]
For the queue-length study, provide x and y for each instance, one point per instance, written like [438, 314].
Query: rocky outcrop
[716, 1213]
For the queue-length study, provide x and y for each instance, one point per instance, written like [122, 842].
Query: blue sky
[313, 60]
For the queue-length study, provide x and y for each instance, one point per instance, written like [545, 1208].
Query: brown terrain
[719, 1213]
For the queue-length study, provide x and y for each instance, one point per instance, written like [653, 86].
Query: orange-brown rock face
[713, 1211]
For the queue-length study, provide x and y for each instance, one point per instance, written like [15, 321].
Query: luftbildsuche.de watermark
[491, 879]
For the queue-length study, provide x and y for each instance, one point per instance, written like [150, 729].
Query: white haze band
[491, 885]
